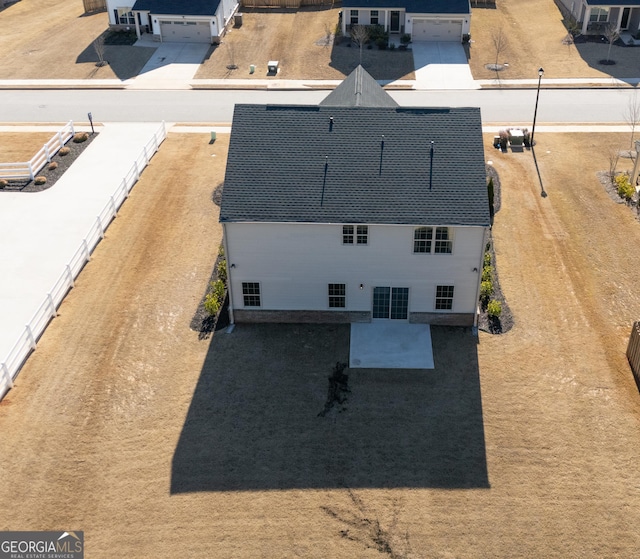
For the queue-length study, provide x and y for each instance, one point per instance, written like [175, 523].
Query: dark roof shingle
[414, 6]
[178, 7]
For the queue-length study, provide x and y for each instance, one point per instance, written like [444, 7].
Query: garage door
[185, 31]
[436, 30]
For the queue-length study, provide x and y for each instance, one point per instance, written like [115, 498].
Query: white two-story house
[355, 210]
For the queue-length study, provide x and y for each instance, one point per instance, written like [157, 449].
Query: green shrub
[214, 299]
[222, 271]
[392, 46]
[486, 290]
[623, 185]
[381, 43]
[405, 39]
[487, 273]
[494, 308]
[487, 259]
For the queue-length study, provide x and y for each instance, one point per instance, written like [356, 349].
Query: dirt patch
[220, 439]
[54, 40]
[535, 36]
[302, 42]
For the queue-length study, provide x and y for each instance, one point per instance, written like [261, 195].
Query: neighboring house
[424, 20]
[193, 21]
[355, 209]
[593, 16]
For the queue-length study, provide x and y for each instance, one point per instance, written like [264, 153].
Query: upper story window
[599, 15]
[354, 17]
[432, 239]
[374, 17]
[355, 234]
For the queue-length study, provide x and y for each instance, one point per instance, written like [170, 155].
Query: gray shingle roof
[414, 6]
[329, 164]
[613, 3]
[358, 89]
[178, 7]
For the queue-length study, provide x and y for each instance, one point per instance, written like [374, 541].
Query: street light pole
[535, 112]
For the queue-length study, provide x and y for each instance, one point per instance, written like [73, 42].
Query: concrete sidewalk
[40, 232]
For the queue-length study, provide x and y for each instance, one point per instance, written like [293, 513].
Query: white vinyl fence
[27, 170]
[26, 343]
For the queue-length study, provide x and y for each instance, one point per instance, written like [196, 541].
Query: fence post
[126, 188]
[87, 254]
[31, 175]
[164, 130]
[60, 140]
[146, 155]
[46, 152]
[32, 340]
[73, 131]
[156, 145]
[53, 305]
[114, 209]
[100, 228]
[72, 283]
[5, 374]
[135, 165]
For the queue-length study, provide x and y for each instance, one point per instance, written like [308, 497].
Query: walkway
[40, 232]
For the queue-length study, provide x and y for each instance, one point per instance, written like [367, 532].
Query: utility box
[272, 65]
[237, 20]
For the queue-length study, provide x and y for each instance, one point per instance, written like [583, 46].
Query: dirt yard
[21, 147]
[49, 39]
[533, 33]
[301, 41]
[127, 426]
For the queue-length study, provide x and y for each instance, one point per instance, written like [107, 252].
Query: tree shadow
[255, 420]
[126, 61]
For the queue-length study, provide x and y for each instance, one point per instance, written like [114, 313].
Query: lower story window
[337, 295]
[374, 17]
[444, 297]
[251, 294]
[354, 17]
[125, 16]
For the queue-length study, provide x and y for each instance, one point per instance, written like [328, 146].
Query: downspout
[479, 270]
[229, 269]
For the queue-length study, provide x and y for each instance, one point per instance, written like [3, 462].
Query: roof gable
[359, 89]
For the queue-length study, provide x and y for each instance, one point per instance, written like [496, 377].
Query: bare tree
[99, 47]
[611, 34]
[632, 114]
[360, 36]
[614, 156]
[500, 43]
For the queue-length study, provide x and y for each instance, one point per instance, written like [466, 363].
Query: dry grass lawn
[300, 41]
[534, 31]
[15, 148]
[125, 425]
[49, 39]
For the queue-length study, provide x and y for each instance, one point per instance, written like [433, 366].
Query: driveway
[172, 63]
[441, 65]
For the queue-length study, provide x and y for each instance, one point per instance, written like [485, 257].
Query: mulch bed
[63, 161]
[506, 320]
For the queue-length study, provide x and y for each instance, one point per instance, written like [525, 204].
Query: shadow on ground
[595, 50]
[253, 423]
[125, 61]
[384, 65]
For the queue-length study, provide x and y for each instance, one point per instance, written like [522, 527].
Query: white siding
[295, 262]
